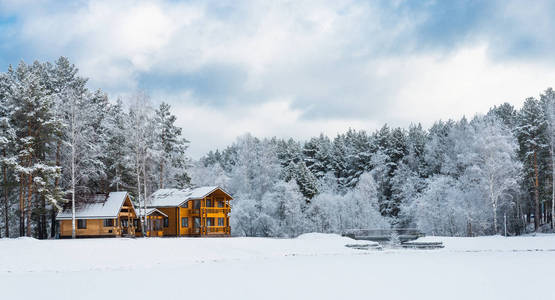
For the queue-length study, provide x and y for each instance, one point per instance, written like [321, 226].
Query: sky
[294, 68]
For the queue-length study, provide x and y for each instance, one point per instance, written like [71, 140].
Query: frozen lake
[309, 267]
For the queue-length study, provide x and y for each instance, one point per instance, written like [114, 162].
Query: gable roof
[107, 209]
[176, 197]
[149, 211]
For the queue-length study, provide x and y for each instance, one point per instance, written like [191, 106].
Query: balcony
[208, 230]
[209, 210]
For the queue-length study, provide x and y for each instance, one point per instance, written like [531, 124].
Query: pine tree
[306, 181]
[7, 142]
[531, 137]
[35, 122]
[339, 161]
[547, 100]
[117, 157]
[171, 146]
[416, 143]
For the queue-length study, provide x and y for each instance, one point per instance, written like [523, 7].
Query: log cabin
[100, 215]
[202, 211]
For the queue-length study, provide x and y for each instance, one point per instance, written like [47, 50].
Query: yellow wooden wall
[95, 227]
[172, 213]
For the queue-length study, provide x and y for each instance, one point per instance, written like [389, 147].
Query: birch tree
[496, 149]
[84, 160]
[139, 117]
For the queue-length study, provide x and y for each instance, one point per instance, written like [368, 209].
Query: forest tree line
[59, 140]
[487, 175]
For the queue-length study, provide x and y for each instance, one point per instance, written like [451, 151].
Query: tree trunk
[505, 223]
[469, 228]
[73, 170]
[21, 205]
[53, 223]
[139, 188]
[536, 194]
[493, 204]
[72, 193]
[161, 174]
[552, 183]
[144, 195]
[6, 200]
[42, 232]
[29, 206]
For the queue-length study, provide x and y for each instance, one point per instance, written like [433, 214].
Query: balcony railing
[209, 211]
[208, 230]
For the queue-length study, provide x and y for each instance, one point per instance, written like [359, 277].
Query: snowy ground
[313, 266]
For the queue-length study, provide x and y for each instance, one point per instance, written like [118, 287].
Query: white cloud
[208, 129]
[309, 67]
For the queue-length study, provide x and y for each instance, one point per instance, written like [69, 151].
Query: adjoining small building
[100, 215]
[154, 222]
[202, 211]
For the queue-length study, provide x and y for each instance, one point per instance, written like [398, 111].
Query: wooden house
[202, 211]
[154, 222]
[100, 215]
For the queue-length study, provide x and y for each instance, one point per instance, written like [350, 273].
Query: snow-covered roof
[107, 209]
[149, 211]
[176, 197]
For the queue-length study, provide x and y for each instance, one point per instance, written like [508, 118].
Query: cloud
[295, 68]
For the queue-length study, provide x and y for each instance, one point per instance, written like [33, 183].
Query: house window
[108, 222]
[209, 203]
[196, 222]
[185, 222]
[124, 223]
[81, 224]
[221, 222]
[196, 204]
[209, 222]
[220, 203]
[166, 222]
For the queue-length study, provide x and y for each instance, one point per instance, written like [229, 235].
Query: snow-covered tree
[140, 113]
[35, 124]
[494, 153]
[285, 204]
[547, 100]
[7, 142]
[317, 155]
[434, 211]
[118, 161]
[362, 205]
[170, 146]
[531, 137]
[84, 161]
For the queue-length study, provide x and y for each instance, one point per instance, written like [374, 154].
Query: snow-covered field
[313, 266]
